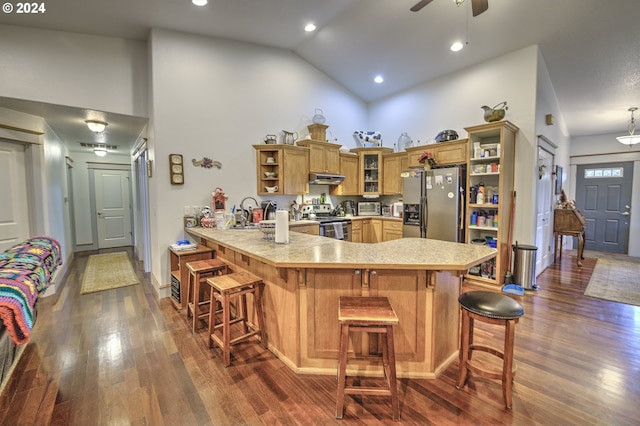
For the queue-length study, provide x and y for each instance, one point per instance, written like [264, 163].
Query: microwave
[369, 208]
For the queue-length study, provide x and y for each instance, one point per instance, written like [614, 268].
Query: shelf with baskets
[490, 170]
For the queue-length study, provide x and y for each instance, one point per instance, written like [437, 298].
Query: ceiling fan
[477, 6]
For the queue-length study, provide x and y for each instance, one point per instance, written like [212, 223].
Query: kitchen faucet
[245, 217]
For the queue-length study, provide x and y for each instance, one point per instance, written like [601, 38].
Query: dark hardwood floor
[124, 357]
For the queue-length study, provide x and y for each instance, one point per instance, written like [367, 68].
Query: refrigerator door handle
[424, 216]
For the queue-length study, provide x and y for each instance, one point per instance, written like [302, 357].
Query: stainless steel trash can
[524, 266]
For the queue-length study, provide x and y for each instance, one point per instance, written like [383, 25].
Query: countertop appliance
[433, 204]
[337, 227]
[369, 208]
[269, 209]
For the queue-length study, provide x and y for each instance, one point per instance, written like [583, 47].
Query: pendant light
[630, 139]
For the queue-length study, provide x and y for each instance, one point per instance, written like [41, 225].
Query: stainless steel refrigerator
[433, 204]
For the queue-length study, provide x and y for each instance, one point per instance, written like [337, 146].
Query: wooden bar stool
[491, 308]
[370, 315]
[199, 271]
[223, 288]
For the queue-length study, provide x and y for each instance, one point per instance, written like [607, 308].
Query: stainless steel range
[336, 227]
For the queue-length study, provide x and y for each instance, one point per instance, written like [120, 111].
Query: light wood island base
[304, 279]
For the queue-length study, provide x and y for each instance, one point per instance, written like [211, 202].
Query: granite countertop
[313, 251]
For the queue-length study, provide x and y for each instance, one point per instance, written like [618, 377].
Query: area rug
[107, 271]
[616, 280]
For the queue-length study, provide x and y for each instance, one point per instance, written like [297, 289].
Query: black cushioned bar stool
[491, 308]
[371, 315]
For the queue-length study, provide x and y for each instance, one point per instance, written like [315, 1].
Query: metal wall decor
[206, 163]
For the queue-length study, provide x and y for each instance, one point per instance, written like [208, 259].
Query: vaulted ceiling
[590, 47]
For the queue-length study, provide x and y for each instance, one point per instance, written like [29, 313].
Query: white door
[113, 208]
[14, 211]
[544, 229]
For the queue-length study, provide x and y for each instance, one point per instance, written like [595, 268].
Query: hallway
[123, 357]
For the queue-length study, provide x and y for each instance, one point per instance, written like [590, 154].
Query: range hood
[325, 179]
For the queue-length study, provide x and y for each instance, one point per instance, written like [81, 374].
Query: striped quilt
[26, 270]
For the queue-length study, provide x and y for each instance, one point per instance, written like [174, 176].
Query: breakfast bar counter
[304, 279]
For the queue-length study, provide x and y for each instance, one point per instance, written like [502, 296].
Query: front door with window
[603, 195]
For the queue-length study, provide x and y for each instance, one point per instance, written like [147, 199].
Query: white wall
[454, 101]
[84, 71]
[216, 98]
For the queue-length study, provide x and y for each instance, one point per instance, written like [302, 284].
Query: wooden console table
[571, 223]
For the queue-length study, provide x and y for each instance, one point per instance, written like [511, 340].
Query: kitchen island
[304, 279]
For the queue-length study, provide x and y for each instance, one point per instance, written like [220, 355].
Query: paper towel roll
[282, 227]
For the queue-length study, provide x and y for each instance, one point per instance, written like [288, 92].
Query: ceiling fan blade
[422, 3]
[479, 6]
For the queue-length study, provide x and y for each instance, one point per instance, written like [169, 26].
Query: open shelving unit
[491, 162]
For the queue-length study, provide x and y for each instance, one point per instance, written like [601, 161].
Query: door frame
[92, 167]
[634, 156]
[544, 254]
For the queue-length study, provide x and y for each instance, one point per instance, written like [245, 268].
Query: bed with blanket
[26, 271]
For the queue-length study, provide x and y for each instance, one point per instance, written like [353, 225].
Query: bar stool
[199, 271]
[371, 315]
[490, 308]
[223, 288]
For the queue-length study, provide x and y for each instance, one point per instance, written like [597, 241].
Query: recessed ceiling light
[378, 79]
[456, 47]
[199, 2]
[310, 27]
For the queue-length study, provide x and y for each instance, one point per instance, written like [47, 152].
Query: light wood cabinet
[305, 228]
[391, 230]
[493, 167]
[356, 231]
[283, 166]
[445, 153]
[370, 228]
[371, 169]
[178, 260]
[392, 166]
[324, 157]
[350, 170]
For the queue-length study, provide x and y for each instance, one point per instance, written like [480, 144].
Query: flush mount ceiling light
[630, 139]
[199, 2]
[456, 47]
[378, 79]
[310, 27]
[100, 151]
[96, 126]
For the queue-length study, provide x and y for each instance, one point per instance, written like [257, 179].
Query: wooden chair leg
[507, 365]
[342, 369]
[391, 366]
[464, 350]
[260, 314]
[226, 329]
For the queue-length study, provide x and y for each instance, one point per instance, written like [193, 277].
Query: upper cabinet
[324, 157]
[349, 169]
[282, 169]
[371, 170]
[393, 165]
[445, 153]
